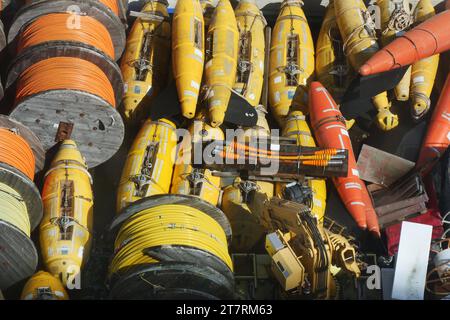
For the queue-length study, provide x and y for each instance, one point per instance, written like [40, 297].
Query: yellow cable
[13, 209]
[177, 225]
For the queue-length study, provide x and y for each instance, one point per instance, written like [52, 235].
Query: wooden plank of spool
[27, 189]
[177, 199]
[29, 136]
[97, 127]
[54, 49]
[18, 255]
[95, 9]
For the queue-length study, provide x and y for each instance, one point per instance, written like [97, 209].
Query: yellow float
[43, 286]
[222, 54]
[149, 165]
[65, 230]
[291, 59]
[145, 63]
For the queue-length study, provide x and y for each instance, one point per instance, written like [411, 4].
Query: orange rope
[112, 4]
[54, 26]
[15, 151]
[65, 73]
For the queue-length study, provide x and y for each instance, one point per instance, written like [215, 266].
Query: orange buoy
[427, 39]
[437, 138]
[330, 131]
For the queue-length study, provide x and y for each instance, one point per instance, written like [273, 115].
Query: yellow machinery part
[149, 165]
[65, 230]
[360, 43]
[43, 286]
[395, 20]
[291, 59]
[220, 68]
[424, 71]
[167, 225]
[296, 127]
[196, 182]
[332, 67]
[188, 53]
[250, 67]
[145, 63]
[247, 230]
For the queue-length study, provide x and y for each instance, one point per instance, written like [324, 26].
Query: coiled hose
[167, 225]
[54, 27]
[13, 209]
[16, 152]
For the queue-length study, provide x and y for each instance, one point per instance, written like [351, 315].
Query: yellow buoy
[424, 71]
[43, 286]
[220, 68]
[297, 128]
[250, 67]
[65, 230]
[149, 165]
[395, 20]
[332, 67]
[145, 63]
[193, 181]
[188, 43]
[357, 28]
[291, 59]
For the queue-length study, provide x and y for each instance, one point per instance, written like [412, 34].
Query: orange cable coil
[65, 73]
[16, 152]
[54, 27]
[112, 4]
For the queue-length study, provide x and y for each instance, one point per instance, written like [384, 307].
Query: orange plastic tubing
[55, 27]
[112, 4]
[16, 152]
[65, 73]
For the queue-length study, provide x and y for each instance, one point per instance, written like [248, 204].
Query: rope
[16, 152]
[65, 73]
[167, 225]
[53, 27]
[399, 21]
[368, 26]
[13, 209]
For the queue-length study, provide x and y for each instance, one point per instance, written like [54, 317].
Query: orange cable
[112, 4]
[16, 152]
[55, 26]
[65, 73]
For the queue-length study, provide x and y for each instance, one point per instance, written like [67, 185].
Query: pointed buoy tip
[365, 70]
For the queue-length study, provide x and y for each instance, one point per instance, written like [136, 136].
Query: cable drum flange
[172, 280]
[29, 136]
[27, 189]
[173, 199]
[29, 12]
[184, 254]
[98, 127]
[52, 49]
[18, 255]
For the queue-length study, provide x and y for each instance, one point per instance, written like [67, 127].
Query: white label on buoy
[251, 96]
[199, 53]
[418, 80]
[80, 252]
[355, 172]
[344, 132]
[317, 202]
[277, 79]
[59, 294]
[189, 93]
[448, 136]
[195, 85]
[274, 147]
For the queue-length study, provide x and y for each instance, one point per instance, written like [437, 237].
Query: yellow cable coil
[13, 209]
[176, 225]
